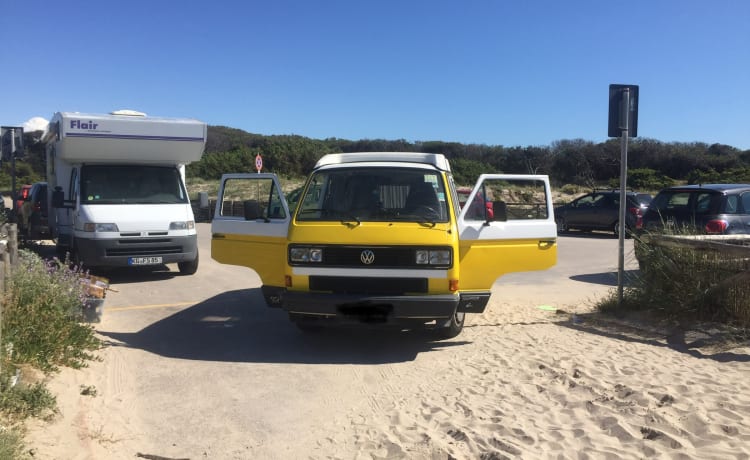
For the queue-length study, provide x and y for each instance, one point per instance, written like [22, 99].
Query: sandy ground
[529, 378]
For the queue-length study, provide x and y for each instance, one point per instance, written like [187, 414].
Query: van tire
[453, 327]
[190, 267]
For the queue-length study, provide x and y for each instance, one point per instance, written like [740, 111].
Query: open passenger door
[250, 225]
[507, 225]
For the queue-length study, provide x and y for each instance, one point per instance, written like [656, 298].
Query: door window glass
[746, 202]
[502, 200]
[731, 205]
[251, 199]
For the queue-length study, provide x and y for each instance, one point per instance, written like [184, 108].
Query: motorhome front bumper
[123, 252]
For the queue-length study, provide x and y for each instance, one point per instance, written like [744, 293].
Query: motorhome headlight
[302, 254]
[189, 225]
[432, 257]
[95, 227]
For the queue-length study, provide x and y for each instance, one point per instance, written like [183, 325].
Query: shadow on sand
[607, 278]
[236, 326]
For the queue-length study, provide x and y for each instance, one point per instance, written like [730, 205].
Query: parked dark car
[644, 200]
[23, 194]
[600, 210]
[34, 223]
[706, 209]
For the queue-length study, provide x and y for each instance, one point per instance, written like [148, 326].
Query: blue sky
[511, 73]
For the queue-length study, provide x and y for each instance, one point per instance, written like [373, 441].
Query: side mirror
[499, 211]
[58, 198]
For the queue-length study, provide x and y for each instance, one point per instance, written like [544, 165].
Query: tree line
[651, 164]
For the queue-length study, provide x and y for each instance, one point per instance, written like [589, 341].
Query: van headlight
[433, 256]
[188, 225]
[94, 227]
[302, 254]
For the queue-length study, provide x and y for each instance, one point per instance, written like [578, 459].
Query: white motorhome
[117, 188]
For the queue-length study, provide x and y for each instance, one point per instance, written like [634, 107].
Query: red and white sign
[258, 162]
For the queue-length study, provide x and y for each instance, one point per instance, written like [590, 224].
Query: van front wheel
[453, 327]
[190, 267]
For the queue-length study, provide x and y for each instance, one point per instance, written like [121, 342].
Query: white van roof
[127, 136]
[437, 160]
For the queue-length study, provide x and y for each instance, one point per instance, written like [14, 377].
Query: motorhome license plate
[144, 260]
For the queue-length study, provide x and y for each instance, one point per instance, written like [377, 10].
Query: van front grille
[369, 286]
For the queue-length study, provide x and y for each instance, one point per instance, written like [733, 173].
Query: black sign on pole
[12, 142]
[618, 119]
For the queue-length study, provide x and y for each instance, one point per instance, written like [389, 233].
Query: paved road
[587, 264]
[198, 366]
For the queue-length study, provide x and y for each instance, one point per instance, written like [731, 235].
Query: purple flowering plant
[42, 315]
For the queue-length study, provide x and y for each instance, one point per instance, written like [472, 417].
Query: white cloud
[35, 124]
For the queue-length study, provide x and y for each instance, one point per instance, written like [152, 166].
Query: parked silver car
[721, 209]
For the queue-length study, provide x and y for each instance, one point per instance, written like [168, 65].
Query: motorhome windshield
[374, 194]
[118, 184]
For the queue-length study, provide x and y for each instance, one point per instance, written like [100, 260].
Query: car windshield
[376, 194]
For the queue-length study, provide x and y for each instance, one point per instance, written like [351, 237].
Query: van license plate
[144, 260]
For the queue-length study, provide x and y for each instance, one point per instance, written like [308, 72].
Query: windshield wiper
[422, 220]
[348, 218]
[308, 210]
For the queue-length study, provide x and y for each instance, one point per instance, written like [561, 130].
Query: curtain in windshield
[375, 194]
[114, 184]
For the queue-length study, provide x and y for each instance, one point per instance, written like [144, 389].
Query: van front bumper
[376, 308]
[122, 252]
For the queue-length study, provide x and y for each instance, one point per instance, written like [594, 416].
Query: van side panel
[486, 260]
[521, 236]
[264, 254]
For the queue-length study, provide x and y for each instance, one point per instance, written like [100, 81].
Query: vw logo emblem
[367, 257]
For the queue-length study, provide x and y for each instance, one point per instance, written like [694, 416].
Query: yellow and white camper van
[380, 237]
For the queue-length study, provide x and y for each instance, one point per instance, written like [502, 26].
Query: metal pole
[624, 118]
[13, 173]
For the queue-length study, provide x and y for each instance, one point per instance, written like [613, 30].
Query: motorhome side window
[119, 184]
[375, 194]
[251, 200]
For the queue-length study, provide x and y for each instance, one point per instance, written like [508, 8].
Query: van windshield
[118, 184]
[377, 194]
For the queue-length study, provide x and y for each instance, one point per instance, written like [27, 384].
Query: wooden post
[3, 250]
[13, 243]
[4, 271]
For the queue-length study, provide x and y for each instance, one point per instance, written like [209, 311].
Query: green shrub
[11, 444]
[684, 283]
[42, 310]
[570, 189]
[647, 179]
[42, 314]
[22, 401]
